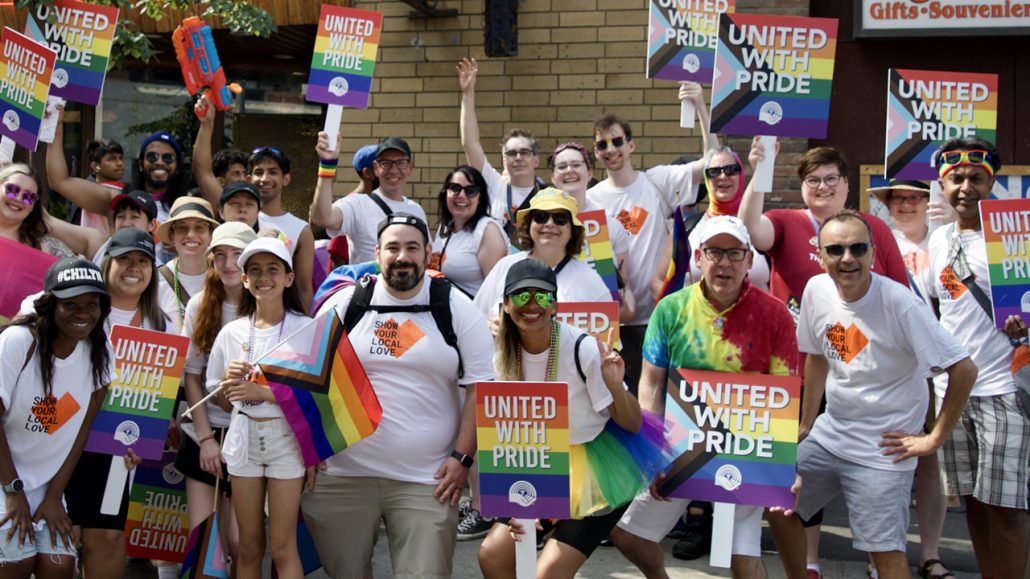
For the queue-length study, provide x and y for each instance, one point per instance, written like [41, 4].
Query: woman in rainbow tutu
[615, 450]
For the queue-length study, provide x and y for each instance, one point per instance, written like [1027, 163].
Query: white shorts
[651, 519]
[272, 451]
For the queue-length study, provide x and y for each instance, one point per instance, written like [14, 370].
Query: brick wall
[577, 60]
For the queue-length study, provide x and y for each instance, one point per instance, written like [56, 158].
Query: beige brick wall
[577, 60]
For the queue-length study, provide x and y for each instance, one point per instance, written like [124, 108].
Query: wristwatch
[465, 460]
[15, 486]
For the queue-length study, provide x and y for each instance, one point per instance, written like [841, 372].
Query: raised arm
[322, 212]
[691, 91]
[303, 264]
[467, 71]
[751, 205]
[92, 197]
[203, 170]
[82, 240]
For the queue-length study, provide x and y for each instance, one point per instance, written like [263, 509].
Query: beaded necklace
[552, 356]
[248, 347]
[178, 297]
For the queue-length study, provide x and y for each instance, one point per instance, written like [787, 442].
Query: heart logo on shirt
[846, 343]
[398, 339]
[632, 220]
[951, 283]
[52, 414]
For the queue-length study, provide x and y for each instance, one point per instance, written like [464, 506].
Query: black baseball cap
[403, 219]
[395, 143]
[142, 200]
[130, 239]
[530, 273]
[239, 187]
[72, 277]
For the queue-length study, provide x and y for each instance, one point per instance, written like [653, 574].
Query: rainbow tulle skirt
[615, 466]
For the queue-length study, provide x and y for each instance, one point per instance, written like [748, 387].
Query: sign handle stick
[333, 115]
[6, 151]
[116, 476]
[763, 176]
[525, 551]
[686, 115]
[189, 411]
[722, 535]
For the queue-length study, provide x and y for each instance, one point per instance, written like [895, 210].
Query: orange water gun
[201, 68]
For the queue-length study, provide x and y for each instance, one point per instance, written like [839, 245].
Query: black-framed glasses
[836, 250]
[561, 218]
[14, 191]
[524, 153]
[910, 199]
[830, 180]
[543, 299]
[728, 170]
[153, 156]
[716, 253]
[470, 191]
[603, 144]
[388, 164]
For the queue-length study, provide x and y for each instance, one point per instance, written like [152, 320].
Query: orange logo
[951, 283]
[632, 220]
[846, 343]
[397, 339]
[51, 414]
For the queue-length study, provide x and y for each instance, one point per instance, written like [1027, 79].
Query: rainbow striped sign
[345, 55]
[735, 437]
[597, 248]
[926, 108]
[1006, 230]
[773, 75]
[594, 318]
[139, 403]
[681, 39]
[82, 35]
[25, 69]
[157, 526]
[522, 429]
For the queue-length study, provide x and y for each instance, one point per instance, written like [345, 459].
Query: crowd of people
[906, 381]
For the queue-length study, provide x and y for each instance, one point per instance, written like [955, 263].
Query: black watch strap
[465, 460]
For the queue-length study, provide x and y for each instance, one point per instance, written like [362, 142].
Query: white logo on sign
[728, 477]
[771, 113]
[171, 475]
[338, 86]
[691, 63]
[522, 493]
[60, 78]
[127, 432]
[11, 120]
[1024, 302]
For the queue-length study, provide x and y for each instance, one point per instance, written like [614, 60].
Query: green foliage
[182, 123]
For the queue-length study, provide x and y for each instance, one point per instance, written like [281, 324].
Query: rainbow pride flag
[25, 69]
[321, 387]
[344, 56]
[1005, 234]
[734, 435]
[768, 82]
[679, 259]
[205, 557]
[597, 248]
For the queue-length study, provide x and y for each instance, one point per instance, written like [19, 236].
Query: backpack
[439, 306]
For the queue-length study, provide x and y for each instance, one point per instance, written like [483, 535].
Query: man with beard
[985, 460]
[410, 472]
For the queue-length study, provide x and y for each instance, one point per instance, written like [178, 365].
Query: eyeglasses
[471, 191]
[561, 219]
[603, 144]
[166, 158]
[575, 166]
[715, 254]
[911, 200]
[388, 164]
[543, 299]
[512, 153]
[975, 157]
[728, 170]
[836, 251]
[185, 229]
[273, 150]
[13, 191]
[815, 182]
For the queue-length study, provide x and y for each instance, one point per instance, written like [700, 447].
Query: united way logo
[522, 493]
[728, 477]
[127, 432]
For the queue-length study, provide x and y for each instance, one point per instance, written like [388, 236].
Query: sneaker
[697, 537]
[473, 526]
[464, 506]
[813, 574]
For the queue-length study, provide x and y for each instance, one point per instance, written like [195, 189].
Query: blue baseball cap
[364, 157]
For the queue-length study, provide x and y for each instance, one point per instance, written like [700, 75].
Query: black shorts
[187, 461]
[584, 535]
[85, 493]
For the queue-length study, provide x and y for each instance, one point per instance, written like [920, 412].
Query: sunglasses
[13, 191]
[543, 299]
[471, 191]
[972, 157]
[273, 150]
[728, 170]
[836, 251]
[715, 254]
[166, 158]
[560, 219]
[617, 142]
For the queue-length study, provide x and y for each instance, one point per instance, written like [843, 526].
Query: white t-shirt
[361, 217]
[461, 260]
[758, 275]
[196, 361]
[288, 224]
[643, 208]
[169, 302]
[577, 282]
[497, 188]
[917, 261]
[589, 401]
[40, 434]
[962, 316]
[229, 346]
[880, 350]
[415, 375]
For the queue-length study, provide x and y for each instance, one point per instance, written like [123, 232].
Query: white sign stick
[189, 411]
[115, 486]
[686, 115]
[333, 116]
[525, 551]
[722, 535]
[6, 151]
[763, 177]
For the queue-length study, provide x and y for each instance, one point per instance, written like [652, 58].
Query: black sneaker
[473, 526]
[697, 538]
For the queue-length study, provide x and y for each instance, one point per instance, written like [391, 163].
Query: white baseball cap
[265, 245]
[721, 224]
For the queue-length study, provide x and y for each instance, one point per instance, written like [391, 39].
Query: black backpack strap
[579, 367]
[440, 305]
[358, 302]
[382, 204]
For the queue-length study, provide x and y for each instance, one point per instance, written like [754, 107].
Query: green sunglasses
[543, 299]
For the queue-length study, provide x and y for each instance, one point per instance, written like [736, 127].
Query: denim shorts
[38, 542]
